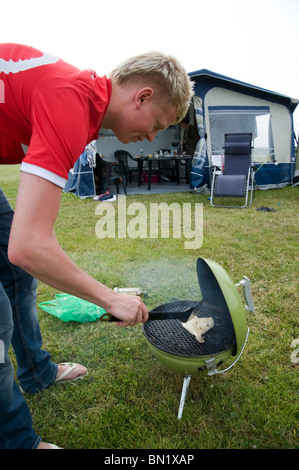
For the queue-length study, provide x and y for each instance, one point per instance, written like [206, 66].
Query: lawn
[129, 400]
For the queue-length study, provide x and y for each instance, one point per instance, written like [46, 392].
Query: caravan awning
[287, 100]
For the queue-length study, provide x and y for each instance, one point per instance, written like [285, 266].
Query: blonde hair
[163, 72]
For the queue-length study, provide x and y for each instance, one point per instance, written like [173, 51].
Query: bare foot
[45, 445]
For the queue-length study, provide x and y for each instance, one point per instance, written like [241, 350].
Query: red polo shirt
[50, 107]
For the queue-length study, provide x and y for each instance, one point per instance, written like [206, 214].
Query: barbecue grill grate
[170, 336]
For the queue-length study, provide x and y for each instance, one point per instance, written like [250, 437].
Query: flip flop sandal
[71, 366]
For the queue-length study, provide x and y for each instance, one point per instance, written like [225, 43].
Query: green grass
[129, 401]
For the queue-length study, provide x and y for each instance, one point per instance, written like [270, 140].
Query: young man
[190, 137]
[53, 110]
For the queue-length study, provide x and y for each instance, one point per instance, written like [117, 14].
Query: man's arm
[33, 246]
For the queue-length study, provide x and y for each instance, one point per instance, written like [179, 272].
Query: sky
[255, 41]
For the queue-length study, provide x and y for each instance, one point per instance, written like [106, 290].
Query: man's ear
[143, 96]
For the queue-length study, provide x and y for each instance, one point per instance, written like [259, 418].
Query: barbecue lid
[217, 288]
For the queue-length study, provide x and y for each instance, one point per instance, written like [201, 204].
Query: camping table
[177, 159]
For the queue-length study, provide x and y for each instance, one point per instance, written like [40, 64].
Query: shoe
[202, 190]
[266, 209]
[109, 199]
[105, 197]
[64, 375]
[98, 198]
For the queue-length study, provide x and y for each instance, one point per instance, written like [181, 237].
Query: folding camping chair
[237, 177]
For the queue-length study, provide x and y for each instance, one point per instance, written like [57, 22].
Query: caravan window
[233, 119]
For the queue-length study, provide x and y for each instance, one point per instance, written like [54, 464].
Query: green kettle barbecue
[177, 349]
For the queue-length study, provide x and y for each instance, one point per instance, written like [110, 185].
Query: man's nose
[151, 136]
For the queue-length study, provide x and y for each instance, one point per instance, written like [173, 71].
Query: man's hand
[129, 309]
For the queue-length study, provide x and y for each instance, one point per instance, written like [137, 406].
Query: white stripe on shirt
[42, 173]
[9, 66]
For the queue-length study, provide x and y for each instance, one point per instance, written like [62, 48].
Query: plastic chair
[122, 157]
[238, 173]
[113, 170]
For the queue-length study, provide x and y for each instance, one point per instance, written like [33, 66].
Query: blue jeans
[19, 327]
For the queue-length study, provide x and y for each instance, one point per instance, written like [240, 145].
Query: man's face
[144, 120]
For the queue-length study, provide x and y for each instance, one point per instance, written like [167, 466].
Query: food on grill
[198, 327]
